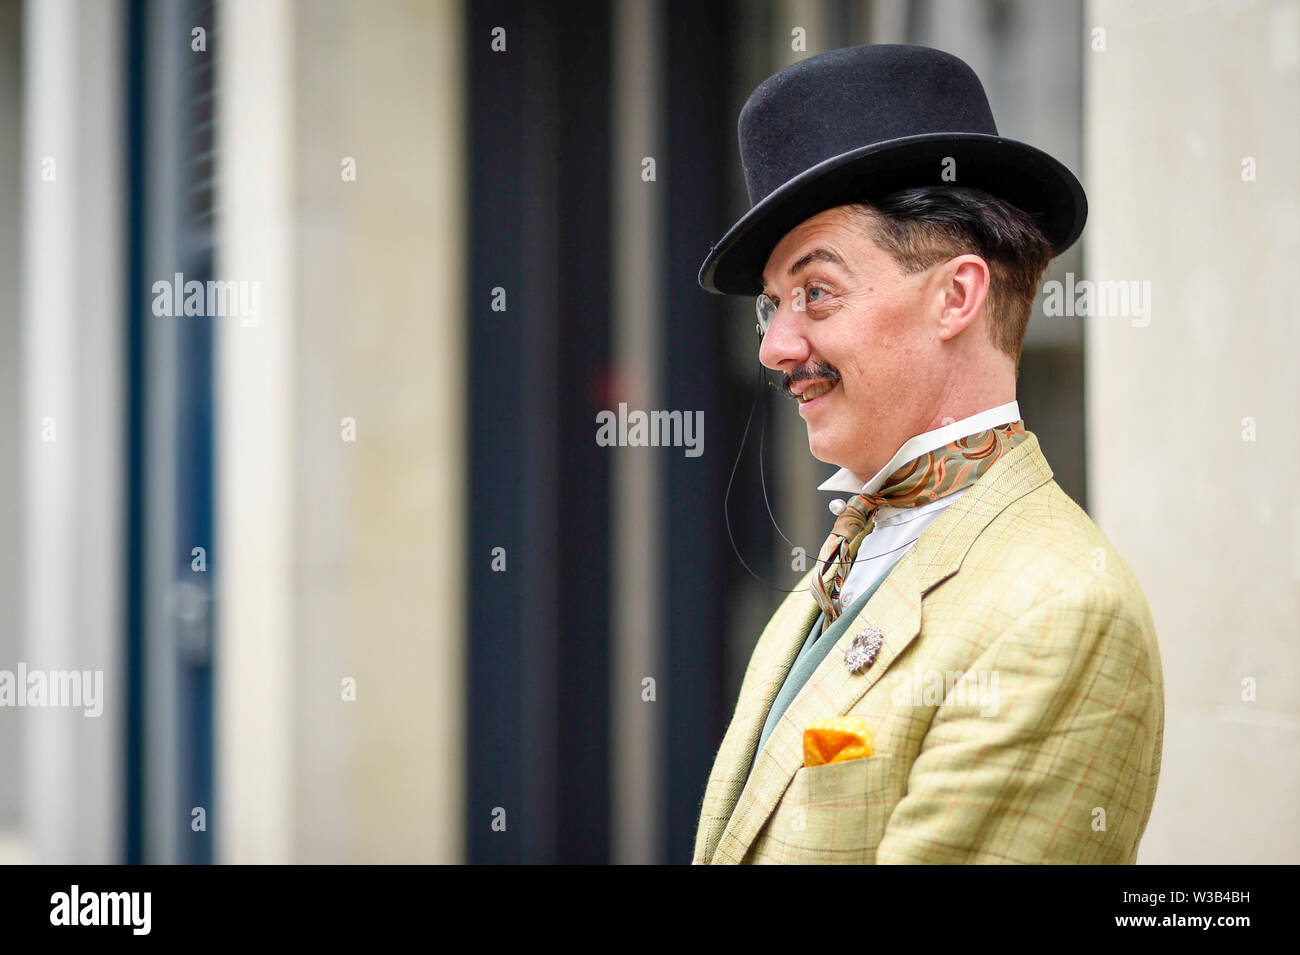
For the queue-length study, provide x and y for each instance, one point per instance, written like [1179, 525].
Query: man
[969, 673]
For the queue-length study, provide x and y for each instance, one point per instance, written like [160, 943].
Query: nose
[784, 341]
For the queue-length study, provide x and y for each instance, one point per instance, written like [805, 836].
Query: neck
[941, 416]
[970, 396]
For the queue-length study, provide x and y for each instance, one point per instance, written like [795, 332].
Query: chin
[822, 450]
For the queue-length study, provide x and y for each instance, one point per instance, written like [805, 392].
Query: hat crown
[857, 124]
[835, 102]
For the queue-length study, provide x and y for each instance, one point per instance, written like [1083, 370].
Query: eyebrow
[819, 254]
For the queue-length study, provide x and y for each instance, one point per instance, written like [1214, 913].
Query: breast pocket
[834, 813]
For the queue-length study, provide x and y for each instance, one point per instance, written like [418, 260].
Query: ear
[963, 285]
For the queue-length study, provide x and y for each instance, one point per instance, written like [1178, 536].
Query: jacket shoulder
[1043, 544]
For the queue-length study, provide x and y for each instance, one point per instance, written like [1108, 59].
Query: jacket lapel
[832, 690]
[771, 660]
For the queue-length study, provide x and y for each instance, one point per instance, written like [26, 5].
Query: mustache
[819, 370]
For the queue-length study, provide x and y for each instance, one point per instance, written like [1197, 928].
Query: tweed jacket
[1016, 703]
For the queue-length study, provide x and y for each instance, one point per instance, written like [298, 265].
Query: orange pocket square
[835, 740]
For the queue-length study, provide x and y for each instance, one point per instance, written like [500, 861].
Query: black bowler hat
[858, 123]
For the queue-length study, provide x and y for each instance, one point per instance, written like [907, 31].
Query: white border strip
[255, 442]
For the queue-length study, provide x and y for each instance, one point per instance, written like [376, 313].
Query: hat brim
[1026, 177]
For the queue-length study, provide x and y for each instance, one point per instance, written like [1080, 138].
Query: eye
[814, 288]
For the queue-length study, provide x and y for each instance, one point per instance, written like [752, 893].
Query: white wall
[342, 559]
[71, 360]
[1209, 521]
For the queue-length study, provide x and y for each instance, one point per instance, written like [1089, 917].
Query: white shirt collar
[848, 482]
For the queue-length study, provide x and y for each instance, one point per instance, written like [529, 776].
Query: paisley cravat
[927, 478]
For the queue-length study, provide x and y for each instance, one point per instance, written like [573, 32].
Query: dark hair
[926, 225]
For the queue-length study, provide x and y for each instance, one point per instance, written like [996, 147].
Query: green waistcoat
[814, 651]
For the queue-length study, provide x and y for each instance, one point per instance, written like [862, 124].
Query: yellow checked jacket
[1016, 704]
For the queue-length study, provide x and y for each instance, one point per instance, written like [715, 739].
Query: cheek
[875, 383]
[875, 359]
[895, 312]
[887, 351]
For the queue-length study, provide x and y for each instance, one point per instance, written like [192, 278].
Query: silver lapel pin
[862, 651]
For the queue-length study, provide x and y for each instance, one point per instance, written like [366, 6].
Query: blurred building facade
[361, 583]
